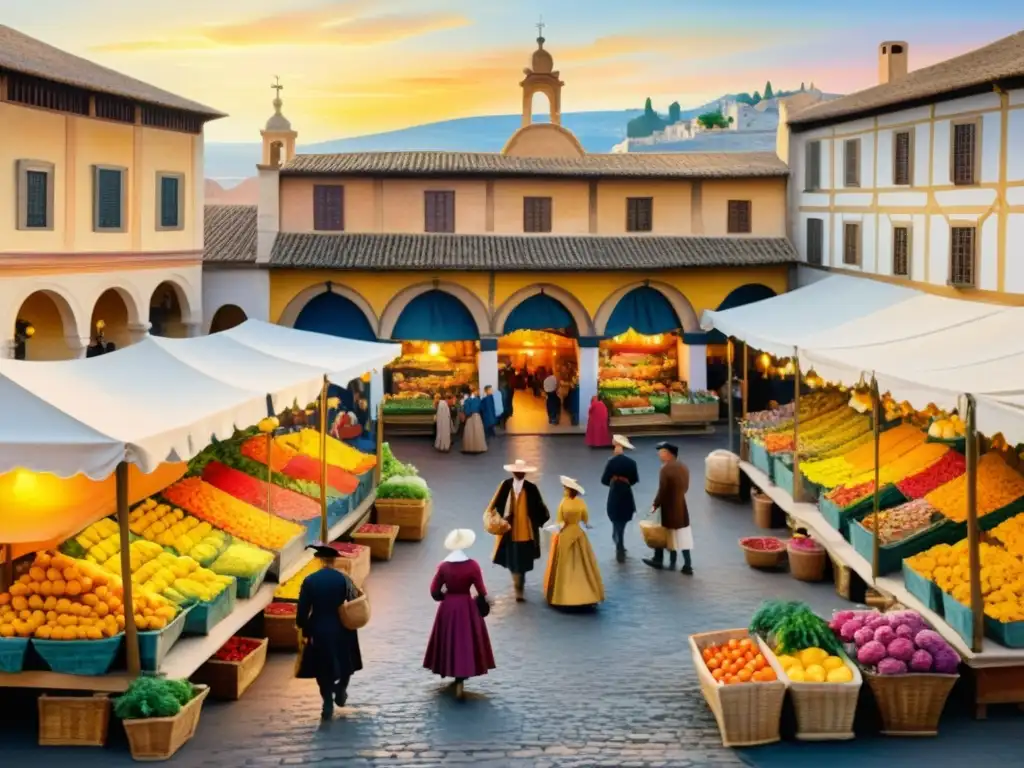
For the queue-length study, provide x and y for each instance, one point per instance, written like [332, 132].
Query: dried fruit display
[998, 486]
[283, 503]
[900, 522]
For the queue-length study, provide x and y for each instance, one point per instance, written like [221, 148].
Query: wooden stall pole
[7, 576]
[728, 388]
[876, 419]
[744, 446]
[270, 468]
[973, 532]
[380, 444]
[324, 535]
[131, 635]
[798, 486]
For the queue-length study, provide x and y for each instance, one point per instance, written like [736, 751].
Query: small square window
[439, 211]
[964, 153]
[110, 197]
[329, 208]
[536, 214]
[35, 195]
[739, 220]
[639, 214]
[170, 201]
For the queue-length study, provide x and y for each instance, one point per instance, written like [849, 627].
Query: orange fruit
[746, 642]
[707, 654]
[734, 643]
[769, 674]
[714, 664]
[744, 675]
[718, 674]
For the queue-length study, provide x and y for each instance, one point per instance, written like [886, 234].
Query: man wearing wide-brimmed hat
[522, 512]
[673, 483]
[620, 475]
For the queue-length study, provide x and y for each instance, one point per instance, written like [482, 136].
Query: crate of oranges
[740, 686]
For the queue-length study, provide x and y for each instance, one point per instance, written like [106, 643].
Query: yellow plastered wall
[672, 205]
[570, 205]
[767, 206]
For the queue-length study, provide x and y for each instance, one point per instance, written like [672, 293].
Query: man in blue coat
[620, 475]
[331, 652]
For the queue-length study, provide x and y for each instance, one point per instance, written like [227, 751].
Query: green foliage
[745, 98]
[648, 107]
[674, 113]
[802, 87]
[804, 629]
[756, 98]
[229, 453]
[153, 697]
[771, 614]
[646, 124]
[768, 90]
[392, 467]
[399, 487]
[713, 120]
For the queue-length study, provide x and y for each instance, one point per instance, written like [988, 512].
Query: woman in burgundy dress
[459, 646]
[598, 433]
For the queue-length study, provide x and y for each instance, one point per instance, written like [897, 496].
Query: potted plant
[159, 715]
[404, 501]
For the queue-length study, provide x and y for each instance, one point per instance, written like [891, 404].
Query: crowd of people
[459, 646]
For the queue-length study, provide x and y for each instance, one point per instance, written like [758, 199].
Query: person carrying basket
[673, 483]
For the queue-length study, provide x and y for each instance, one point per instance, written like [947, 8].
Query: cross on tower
[540, 27]
[277, 86]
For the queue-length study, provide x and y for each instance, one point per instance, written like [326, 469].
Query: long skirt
[459, 645]
[473, 439]
[443, 429]
[572, 577]
[680, 538]
[598, 433]
[554, 407]
[516, 556]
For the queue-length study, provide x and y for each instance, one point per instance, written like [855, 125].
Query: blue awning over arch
[539, 312]
[336, 315]
[435, 316]
[738, 297]
[645, 310]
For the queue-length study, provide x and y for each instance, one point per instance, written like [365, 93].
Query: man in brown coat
[673, 483]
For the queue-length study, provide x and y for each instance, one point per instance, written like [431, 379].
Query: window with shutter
[901, 251]
[439, 211]
[639, 214]
[812, 166]
[851, 157]
[536, 214]
[329, 208]
[851, 243]
[739, 217]
[962, 256]
[964, 149]
[901, 173]
[170, 200]
[815, 241]
[37, 199]
[109, 200]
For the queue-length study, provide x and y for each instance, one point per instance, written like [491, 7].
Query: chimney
[892, 61]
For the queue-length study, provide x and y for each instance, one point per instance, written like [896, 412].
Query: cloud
[344, 22]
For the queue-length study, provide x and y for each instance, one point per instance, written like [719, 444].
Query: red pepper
[236, 649]
[280, 609]
[374, 528]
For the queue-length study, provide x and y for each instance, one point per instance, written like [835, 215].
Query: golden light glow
[434, 349]
[25, 486]
[30, 331]
[530, 353]
[764, 361]
[100, 325]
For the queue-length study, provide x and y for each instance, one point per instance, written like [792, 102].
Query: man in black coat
[518, 502]
[620, 475]
[331, 654]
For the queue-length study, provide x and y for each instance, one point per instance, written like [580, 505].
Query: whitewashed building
[919, 178]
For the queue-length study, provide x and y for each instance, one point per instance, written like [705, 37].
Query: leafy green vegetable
[399, 487]
[804, 629]
[153, 697]
[392, 467]
[771, 614]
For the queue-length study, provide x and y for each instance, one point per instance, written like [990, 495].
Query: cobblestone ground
[615, 687]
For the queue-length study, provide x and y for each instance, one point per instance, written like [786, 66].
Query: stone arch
[682, 306]
[74, 323]
[401, 300]
[227, 317]
[119, 311]
[584, 325]
[303, 297]
[745, 294]
[175, 327]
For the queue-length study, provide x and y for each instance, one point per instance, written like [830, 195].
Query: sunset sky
[352, 67]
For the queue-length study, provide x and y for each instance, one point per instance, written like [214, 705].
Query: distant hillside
[246, 193]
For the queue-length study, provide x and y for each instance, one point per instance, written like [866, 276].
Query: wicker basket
[412, 516]
[655, 536]
[281, 632]
[748, 714]
[382, 545]
[763, 558]
[355, 614]
[158, 738]
[762, 505]
[824, 711]
[495, 524]
[715, 488]
[807, 565]
[911, 705]
[228, 680]
[723, 468]
[74, 721]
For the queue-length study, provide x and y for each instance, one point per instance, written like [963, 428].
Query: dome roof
[542, 61]
[278, 122]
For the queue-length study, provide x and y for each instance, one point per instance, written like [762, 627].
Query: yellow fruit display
[100, 541]
[180, 579]
[795, 673]
[811, 656]
[815, 665]
[841, 674]
[1002, 577]
[172, 527]
[832, 662]
[998, 486]
[814, 674]
[290, 589]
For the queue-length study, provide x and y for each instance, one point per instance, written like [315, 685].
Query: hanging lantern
[764, 362]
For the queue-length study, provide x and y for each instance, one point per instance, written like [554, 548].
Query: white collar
[517, 485]
[458, 556]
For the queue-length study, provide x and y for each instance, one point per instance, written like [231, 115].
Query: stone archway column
[138, 331]
[696, 365]
[8, 348]
[487, 362]
[78, 345]
[193, 329]
[376, 391]
[588, 370]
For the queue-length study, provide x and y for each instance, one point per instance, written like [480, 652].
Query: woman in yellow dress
[572, 578]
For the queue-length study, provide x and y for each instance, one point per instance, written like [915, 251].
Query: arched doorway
[336, 315]
[166, 312]
[45, 323]
[761, 389]
[109, 323]
[227, 317]
[440, 345]
[539, 339]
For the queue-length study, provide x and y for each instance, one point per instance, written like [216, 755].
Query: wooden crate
[693, 413]
[382, 545]
[281, 632]
[158, 738]
[412, 516]
[74, 721]
[357, 567]
[228, 680]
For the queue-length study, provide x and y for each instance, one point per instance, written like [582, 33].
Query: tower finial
[540, 31]
[276, 86]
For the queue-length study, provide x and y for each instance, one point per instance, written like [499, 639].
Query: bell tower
[541, 77]
[278, 136]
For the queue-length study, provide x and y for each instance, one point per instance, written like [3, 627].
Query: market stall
[425, 372]
[640, 381]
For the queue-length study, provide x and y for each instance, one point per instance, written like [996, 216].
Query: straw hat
[460, 538]
[519, 466]
[568, 482]
[623, 441]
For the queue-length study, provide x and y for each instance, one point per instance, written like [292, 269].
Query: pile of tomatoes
[738, 661]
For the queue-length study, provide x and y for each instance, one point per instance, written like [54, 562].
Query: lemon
[814, 674]
[809, 656]
[787, 661]
[795, 674]
[833, 662]
[841, 674]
